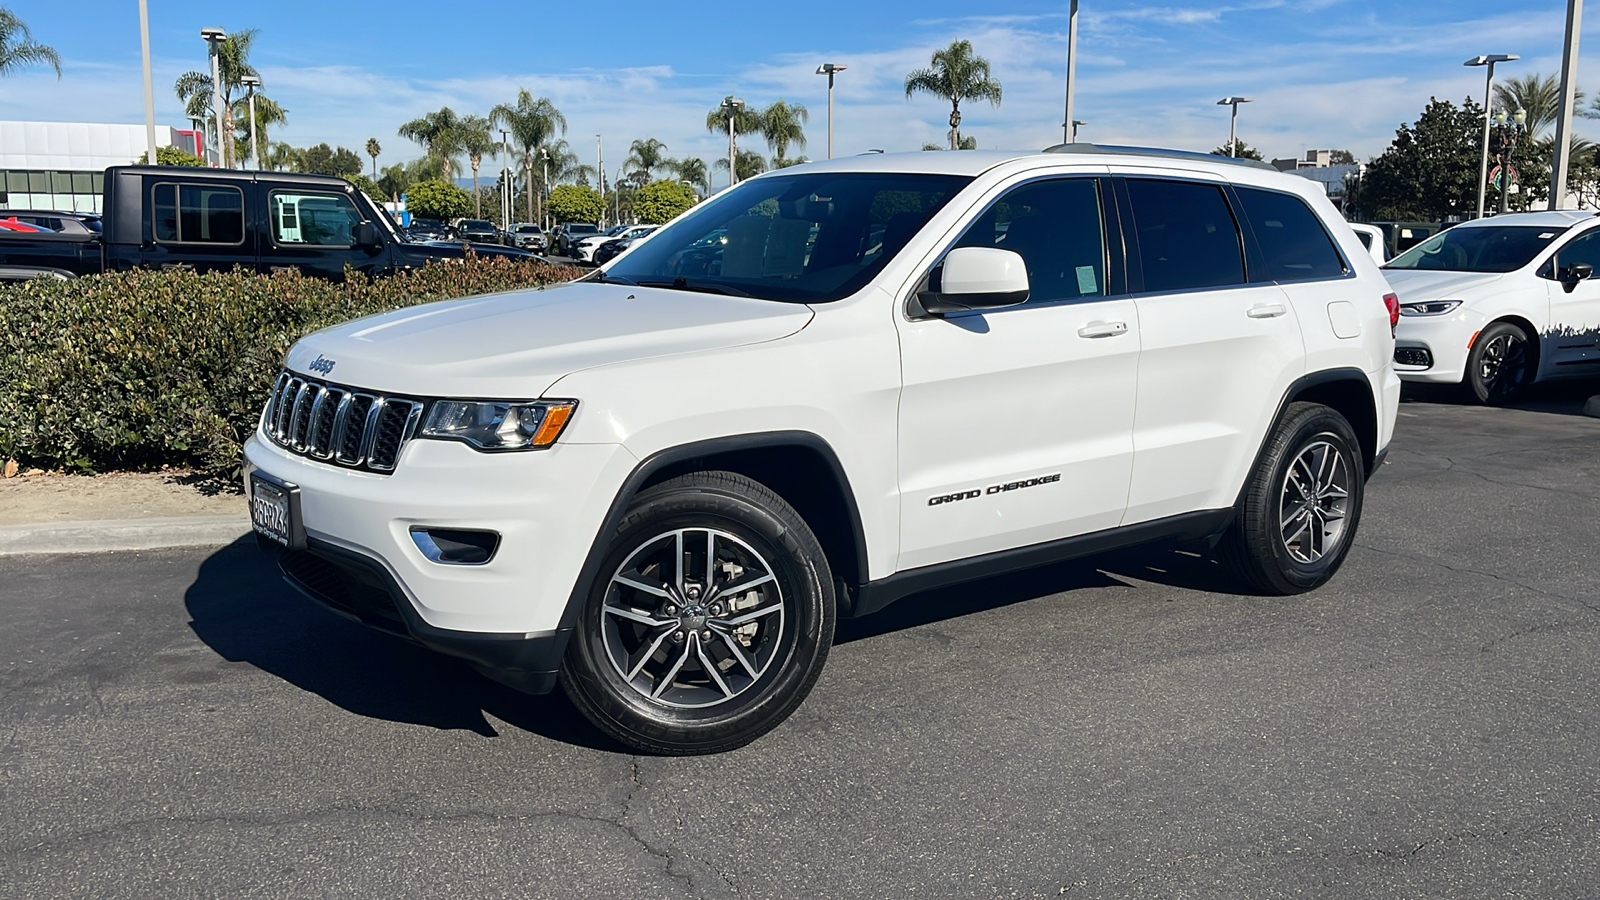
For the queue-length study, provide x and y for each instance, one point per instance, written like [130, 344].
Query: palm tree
[233, 64]
[1537, 95]
[18, 49]
[281, 157]
[268, 112]
[956, 75]
[565, 165]
[693, 170]
[532, 123]
[373, 149]
[646, 156]
[751, 164]
[439, 134]
[472, 135]
[782, 124]
[733, 121]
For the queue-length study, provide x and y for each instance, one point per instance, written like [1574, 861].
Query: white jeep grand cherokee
[828, 388]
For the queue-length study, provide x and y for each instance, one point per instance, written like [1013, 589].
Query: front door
[313, 232]
[1571, 340]
[1016, 424]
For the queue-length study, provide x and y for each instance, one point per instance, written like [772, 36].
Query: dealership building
[60, 165]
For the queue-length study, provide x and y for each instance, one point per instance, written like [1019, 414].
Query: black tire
[1499, 365]
[642, 615]
[1258, 547]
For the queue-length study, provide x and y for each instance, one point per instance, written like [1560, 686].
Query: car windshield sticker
[1086, 283]
[1547, 235]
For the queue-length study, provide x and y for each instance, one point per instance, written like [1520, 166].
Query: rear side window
[1187, 236]
[1057, 228]
[1294, 245]
[197, 214]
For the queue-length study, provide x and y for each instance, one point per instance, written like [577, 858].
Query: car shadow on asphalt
[1560, 397]
[240, 606]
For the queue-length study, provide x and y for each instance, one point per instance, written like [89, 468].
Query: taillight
[1392, 303]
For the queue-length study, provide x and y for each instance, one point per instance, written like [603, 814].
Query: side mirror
[366, 236]
[1571, 275]
[977, 278]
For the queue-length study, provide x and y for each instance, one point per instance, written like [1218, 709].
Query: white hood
[1416, 285]
[515, 345]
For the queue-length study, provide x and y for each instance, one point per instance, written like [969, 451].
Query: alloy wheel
[1314, 502]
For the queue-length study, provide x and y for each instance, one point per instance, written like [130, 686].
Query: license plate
[270, 514]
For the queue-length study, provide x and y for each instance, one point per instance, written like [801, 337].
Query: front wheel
[1301, 504]
[710, 621]
[1498, 365]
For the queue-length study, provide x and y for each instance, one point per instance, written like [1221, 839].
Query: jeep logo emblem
[325, 366]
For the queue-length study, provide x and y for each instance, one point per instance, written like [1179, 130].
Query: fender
[659, 460]
[1311, 380]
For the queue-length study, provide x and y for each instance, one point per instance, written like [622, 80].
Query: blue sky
[1323, 73]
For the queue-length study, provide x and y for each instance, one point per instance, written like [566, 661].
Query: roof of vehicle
[238, 175]
[1552, 218]
[975, 162]
[68, 214]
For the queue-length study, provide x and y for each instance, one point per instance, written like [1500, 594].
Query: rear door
[200, 225]
[1217, 352]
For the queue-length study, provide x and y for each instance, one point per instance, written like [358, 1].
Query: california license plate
[270, 513]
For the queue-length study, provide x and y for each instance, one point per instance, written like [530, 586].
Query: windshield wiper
[704, 287]
[600, 277]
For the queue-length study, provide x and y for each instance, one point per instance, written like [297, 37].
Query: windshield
[477, 225]
[803, 238]
[527, 229]
[1490, 248]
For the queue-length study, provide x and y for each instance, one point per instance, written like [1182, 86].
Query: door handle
[1103, 329]
[1267, 310]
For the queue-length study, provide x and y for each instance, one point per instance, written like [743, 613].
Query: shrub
[660, 201]
[438, 200]
[133, 370]
[575, 203]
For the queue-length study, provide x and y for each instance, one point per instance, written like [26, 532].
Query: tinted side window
[324, 219]
[1057, 228]
[1294, 245]
[1187, 236]
[197, 214]
[1583, 249]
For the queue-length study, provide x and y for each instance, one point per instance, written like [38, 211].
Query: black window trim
[272, 237]
[177, 203]
[1112, 248]
[1257, 261]
[1131, 235]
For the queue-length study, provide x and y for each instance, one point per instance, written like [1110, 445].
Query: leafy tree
[955, 74]
[661, 201]
[646, 156]
[1242, 151]
[439, 134]
[565, 165]
[1430, 170]
[368, 186]
[781, 163]
[533, 124]
[783, 124]
[751, 164]
[1341, 158]
[373, 149]
[325, 160]
[693, 170]
[438, 199]
[171, 156]
[398, 178]
[18, 48]
[967, 143]
[233, 64]
[475, 141]
[575, 203]
[735, 121]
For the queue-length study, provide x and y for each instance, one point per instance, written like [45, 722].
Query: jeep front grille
[336, 424]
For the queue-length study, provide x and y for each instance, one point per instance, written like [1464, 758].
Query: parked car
[615, 247]
[430, 230]
[14, 225]
[53, 220]
[1371, 237]
[525, 235]
[583, 250]
[204, 219]
[667, 481]
[478, 231]
[1497, 304]
[568, 235]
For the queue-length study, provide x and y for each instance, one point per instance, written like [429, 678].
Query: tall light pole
[544, 186]
[149, 90]
[1233, 122]
[1569, 88]
[730, 109]
[1070, 128]
[506, 192]
[830, 69]
[214, 38]
[1488, 100]
[600, 175]
[250, 83]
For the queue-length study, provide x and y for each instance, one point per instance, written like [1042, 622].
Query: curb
[122, 534]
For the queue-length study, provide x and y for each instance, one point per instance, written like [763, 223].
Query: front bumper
[547, 506]
[1445, 340]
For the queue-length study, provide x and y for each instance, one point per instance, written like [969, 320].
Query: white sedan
[583, 250]
[1496, 304]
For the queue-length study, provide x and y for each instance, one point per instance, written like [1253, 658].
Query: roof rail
[1157, 152]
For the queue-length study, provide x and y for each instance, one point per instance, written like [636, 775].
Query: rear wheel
[711, 620]
[1499, 365]
[1301, 505]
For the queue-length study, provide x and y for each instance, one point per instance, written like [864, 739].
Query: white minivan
[831, 387]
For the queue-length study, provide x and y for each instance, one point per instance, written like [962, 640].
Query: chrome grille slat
[339, 425]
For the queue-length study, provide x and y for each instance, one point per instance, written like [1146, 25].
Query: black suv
[478, 231]
[570, 234]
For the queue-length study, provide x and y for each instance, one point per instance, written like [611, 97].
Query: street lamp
[829, 69]
[1233, 122]
[730, 108]
[1072, 72]
[250, 83]
[1505, 144]
[214, 38]
[600, 175]
[1488, 90]
[1075, 124]
[544, 186]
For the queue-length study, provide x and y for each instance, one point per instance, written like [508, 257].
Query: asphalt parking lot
[179, 724]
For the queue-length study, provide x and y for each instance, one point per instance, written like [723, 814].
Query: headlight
[497, 425]
[1428, 307]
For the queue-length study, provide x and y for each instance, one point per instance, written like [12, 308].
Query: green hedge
[141, 369]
